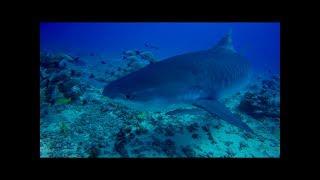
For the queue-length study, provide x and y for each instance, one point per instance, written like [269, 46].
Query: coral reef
[147, 55]
[76, 120]
[263, 100]
[137, 59]
[59, 82]
[169, 147]
[188, 151]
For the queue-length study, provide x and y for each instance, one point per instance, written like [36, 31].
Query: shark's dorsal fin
[225, 43]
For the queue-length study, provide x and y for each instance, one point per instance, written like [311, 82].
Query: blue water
[77, 60]
[259, 42]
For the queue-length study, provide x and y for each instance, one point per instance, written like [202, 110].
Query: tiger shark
[199, 78]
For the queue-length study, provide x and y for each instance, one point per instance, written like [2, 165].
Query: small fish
[147, 45]
[91, 76]
[78, 61]
[76, 58]
[138, 52]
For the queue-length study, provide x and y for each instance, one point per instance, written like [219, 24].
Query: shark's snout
[110, 91]
[113, 91]
[107, 93]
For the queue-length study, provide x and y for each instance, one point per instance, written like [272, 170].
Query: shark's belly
[169, 92]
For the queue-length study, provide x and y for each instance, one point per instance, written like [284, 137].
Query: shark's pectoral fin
[219, 109]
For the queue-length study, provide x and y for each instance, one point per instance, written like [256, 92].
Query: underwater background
[77, 60]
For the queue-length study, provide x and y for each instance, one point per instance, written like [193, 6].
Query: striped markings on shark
[206, 74]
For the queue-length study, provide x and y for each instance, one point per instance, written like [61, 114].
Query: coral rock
[188, 151]
[193, 127]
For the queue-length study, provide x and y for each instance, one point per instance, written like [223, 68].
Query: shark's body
[198, 78]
